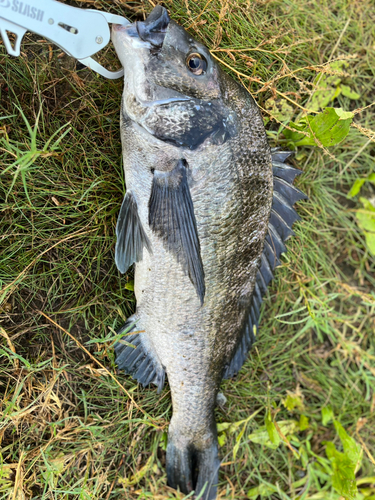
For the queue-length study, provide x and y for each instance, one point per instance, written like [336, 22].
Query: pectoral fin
[171, 216]
[131, 237]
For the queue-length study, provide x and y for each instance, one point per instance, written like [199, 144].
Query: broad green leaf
[359, 183]
[263, 490]
[164, 441]
[367, 204]
[225, 428]
[221, 439]
[293, 400]
[343, 478]
[129, 285]
[366, 220]
[303, 423]
[344, 114]
[261, 436]
[327, 414]
[352, 449]
[370, 241]
[348, 92]
[328, 87]
[59, 462]
[279, 109]
[356, 187]
[327, 128]
[271, 429]
[323, 97]
[344, 465]
[339, 65]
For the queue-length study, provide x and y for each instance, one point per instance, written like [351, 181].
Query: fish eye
[196, 63]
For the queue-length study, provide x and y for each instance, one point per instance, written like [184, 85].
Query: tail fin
[191, 467]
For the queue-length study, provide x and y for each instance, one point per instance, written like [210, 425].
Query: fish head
[171, 78]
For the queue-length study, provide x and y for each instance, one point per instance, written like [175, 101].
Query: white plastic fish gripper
[80, 33]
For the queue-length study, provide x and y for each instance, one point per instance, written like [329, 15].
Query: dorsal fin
[280, 224]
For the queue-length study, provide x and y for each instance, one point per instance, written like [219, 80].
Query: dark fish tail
[193, 462]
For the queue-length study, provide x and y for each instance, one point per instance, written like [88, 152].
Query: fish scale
[208, 231]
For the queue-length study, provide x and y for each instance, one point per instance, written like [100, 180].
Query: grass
[70, 430]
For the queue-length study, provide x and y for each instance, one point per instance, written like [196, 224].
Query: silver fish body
[195, 218]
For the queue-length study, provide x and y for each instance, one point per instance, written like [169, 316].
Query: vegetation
[299, 421]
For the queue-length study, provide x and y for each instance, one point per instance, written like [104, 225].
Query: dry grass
[70, 426]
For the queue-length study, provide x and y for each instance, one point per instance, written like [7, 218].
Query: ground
[71, 426]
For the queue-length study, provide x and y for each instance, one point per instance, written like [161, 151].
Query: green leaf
[348, 92]
[322, 98]
[164, 441]
[370, 241]
[261, 435]
[271, 429]
[328, 87]
[221, 439]
[359, 183]
[344, 465]
[292, 401]
[327, 414]
[225, 428]
[366, 220]
[129, 285]
[263, 490]
[352, 449]
[356, 187]
[344, 114]
[327, 128]
[343, 478]
[279, 109]
[303, 423]
[367, 204]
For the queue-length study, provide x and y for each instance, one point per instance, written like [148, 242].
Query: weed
[69, 430]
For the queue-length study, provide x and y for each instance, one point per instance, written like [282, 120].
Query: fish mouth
[152, 31]
[154, 28]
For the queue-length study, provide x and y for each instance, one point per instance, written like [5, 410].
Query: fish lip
[154, 28]
[148, 34]
[129, 35]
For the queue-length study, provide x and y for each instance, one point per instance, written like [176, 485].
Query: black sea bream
[206, 211]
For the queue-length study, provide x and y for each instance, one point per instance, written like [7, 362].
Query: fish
[207, 210]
